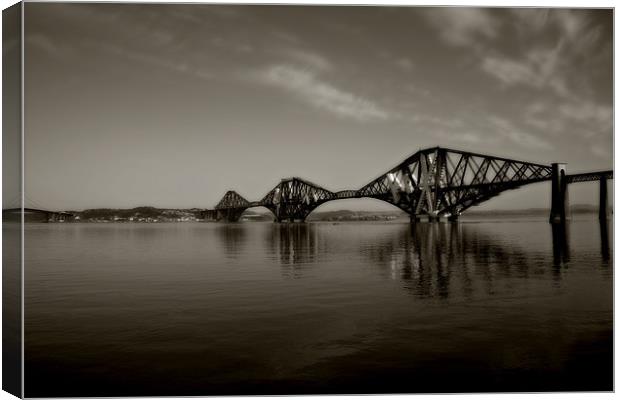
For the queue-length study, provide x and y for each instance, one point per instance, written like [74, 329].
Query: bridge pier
[602, 206]
[209, 215]
[413, 218]
[230, 215]
[559, 193]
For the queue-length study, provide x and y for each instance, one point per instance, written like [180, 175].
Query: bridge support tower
[559, 193]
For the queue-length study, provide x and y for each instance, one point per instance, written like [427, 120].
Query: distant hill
[137, 214]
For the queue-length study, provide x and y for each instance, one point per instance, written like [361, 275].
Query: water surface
[262, 308]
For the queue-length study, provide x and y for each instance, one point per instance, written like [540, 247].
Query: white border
[487, 3]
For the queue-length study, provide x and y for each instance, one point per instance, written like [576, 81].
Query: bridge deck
[589, 176]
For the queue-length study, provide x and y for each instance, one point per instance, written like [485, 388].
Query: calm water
[206, 308]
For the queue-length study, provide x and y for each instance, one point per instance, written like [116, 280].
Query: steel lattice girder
[589, 176]
[295, 198]
[232, 199]
[441, 181]
[347, 194]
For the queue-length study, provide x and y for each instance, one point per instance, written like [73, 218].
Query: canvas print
[231, 199]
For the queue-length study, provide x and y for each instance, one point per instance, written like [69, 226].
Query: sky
[173, 105]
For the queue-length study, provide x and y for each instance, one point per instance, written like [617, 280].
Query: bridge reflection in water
[423, 256]
[604, 232]
[233, 238]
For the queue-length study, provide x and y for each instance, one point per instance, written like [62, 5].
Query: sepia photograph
[279, 199]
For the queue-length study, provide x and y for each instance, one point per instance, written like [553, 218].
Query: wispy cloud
[600, 151]
[547, 64]
[179, 66]
[513, 133]
[463, 26]
[538, 69]
[537, 115]
[308, 87]
[530, 20]
[465, 137]
[545, 54]
[52, 47]
[508, 71]
[584, 117]
[598, 117]
[43, 42]
[404, 63]
[308, 59]
[570, 22]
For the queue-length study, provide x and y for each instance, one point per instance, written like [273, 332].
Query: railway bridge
[431, 184]
[35, 215]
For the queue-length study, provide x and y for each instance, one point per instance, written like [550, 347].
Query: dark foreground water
[262, 308]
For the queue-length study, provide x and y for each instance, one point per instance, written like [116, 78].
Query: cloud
[546, 53]
[582, 117]
[43, 42]
[158, 61]
[323, 95]
[404, 64]
[530, 20]
[597, 117]
[538, 69]
[539, 116]
[570, 22]
[52, 47]
[508, 71]
[550, 56]
[465, 137]
[463, 26]
[285, 36]
[508, 130]
[309, 59]
[601, 151]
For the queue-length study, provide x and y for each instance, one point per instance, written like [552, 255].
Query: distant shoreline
[154, 215]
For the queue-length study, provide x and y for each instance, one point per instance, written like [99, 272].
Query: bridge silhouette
[431, 184]
[30, 210]
[35, 215]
